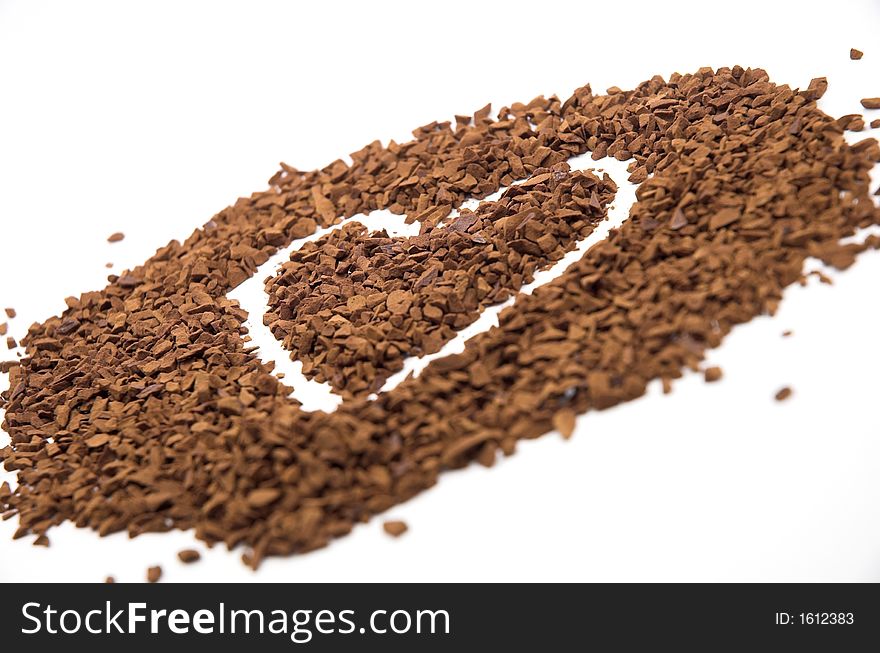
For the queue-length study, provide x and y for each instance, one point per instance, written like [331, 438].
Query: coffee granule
[154, 574]
[10, 313]
[852, 122]
[564, 422]
[142, 408]
[188, 556]
[871, 102]
[875, 123]
[712, 374]
[10, 343]
[115, 237]
[395, 528]
[787, 333]
[4, 328]
[109, 579]
[855, 54]
[783, 394]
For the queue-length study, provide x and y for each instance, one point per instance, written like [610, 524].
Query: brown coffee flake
[97, 440]
[871, 102]
[10, 313]
[399, 301]
[10, 343]
[110, 579]
[115, 237]
[188, 556]
[564, 422]
[724, 217]
[678, 220]
[4, 328]
[395, 528]
[875, 123]
[154, 574]
[855, 54]
[263, 497]
[852, 122]
[712, 374]
[783, 394]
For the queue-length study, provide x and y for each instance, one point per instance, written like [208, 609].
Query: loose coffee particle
[154, 574]
[142, 407]
[115, 237]
[875, 123]
[4, 328]
[852, 122]
[41, 540]
[188, 556]
[108, 265]
[871, 102]
[783, 394]
[109, 579]
[787, 333]
[855, 54]
[10, 313]
[564, 422]
[10, 343]
[395, 528]
[712, 374]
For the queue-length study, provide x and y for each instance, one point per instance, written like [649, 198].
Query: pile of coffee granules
[354, 304]
[142, 408]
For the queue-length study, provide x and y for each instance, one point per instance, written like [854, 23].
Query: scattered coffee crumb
[115, 238]
[10, 313]
[10, 343]
[787, 333]
[563, 421]
[855, 54]
[188, 556]
[154, 574]
[108, 265]
[110, 580]
[875, 123]
[712, 374]
[822, 277]
[853, 122]
[871, 102]
[678, 220]
[42, 540]
[783, 394]
[395, 528]
[4, 328]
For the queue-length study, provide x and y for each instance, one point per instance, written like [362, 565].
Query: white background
[149, 117]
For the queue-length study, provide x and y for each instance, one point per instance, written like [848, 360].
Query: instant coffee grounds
[142, 407]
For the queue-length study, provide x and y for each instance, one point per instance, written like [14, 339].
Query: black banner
[437, 617]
